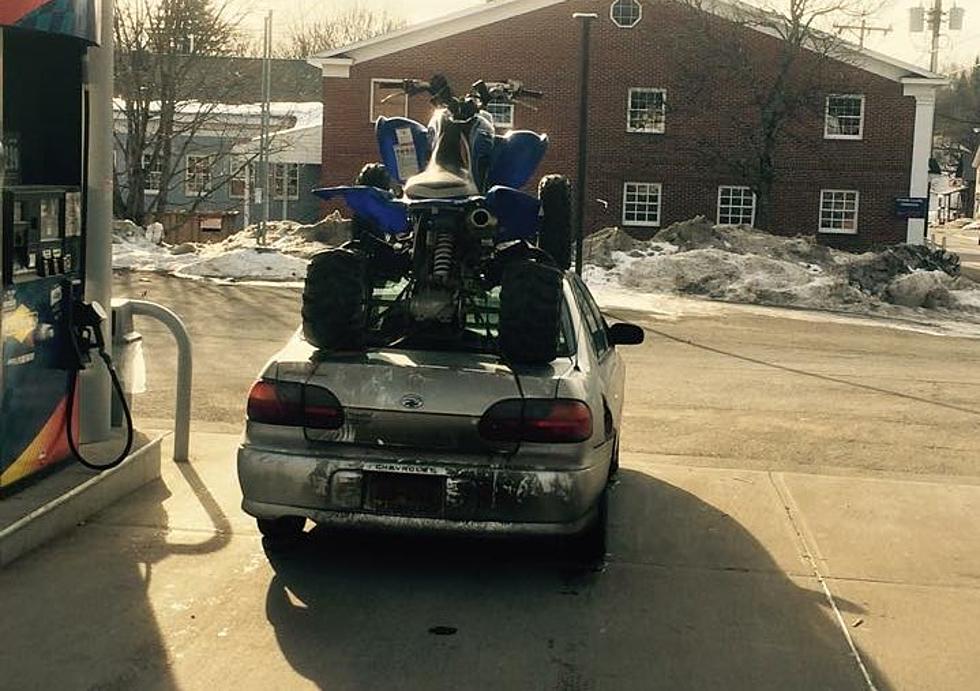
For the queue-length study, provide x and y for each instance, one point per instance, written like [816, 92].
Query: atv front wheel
[555, 193]
[371, 175]
[335, 300]
[530, 312]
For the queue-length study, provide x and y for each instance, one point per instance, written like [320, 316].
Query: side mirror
[626, 334]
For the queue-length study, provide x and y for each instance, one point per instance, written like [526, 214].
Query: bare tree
[162, 49]
[781, 85]
[340, 29]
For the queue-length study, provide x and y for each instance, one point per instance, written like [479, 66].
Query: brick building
[666, 131]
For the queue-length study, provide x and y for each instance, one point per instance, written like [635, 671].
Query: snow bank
[247, 264]
[739, 264]
[240, 257]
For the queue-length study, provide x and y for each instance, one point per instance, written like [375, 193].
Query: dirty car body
[431, 439]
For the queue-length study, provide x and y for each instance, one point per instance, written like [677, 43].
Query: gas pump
[46, 331]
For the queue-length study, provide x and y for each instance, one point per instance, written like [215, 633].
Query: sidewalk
[717, 578]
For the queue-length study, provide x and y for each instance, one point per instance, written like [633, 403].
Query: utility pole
[583, 133]
[934, 18]
[264, 191]
[862, 29]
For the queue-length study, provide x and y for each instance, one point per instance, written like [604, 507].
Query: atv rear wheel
[371, 175]
[530, 312]
[335, 300]
[555, 193]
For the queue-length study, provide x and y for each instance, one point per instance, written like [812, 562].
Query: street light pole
[586, 18]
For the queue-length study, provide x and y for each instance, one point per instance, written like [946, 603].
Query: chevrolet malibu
[421, 435]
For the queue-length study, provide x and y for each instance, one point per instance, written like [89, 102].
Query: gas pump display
[42, 230]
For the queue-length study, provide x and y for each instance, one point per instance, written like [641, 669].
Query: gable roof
[336, 62]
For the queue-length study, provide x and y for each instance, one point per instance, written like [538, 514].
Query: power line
[862, 29]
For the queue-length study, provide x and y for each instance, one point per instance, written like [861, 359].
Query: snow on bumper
[475, 499]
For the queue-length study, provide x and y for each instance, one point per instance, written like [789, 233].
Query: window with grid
[240, 170]
[647, 110]
[839, 211]
[736, 206]
[152, 173]
[845, 117]
[641, 203]
[502, 114]
[197, 175]
[626, 13]
[388, 98]
[285, 176]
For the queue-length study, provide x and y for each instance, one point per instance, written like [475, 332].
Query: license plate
[404, 493]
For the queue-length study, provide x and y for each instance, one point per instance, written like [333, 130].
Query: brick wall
[708, 115]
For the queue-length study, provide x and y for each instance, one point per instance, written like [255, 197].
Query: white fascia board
[435, 30]
[338, 68]
[483, 15]
[862, 58]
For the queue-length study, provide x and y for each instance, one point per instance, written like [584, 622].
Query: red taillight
[294, 404]
[548, 421]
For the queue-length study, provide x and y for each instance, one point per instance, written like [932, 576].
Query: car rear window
[388, 326]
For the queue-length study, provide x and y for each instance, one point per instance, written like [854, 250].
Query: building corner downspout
[923, 90]
[95, 388]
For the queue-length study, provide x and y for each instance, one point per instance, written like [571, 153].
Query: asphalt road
[724, 389]
[234, 330]
[798, 508]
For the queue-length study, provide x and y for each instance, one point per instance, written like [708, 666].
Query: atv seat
[436, 182]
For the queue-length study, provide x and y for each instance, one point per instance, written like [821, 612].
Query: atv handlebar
[482, 93]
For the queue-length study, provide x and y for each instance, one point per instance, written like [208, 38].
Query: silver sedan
[439, 440]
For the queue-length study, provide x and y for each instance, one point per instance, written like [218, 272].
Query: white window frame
[660, 203]
[740, 188]
[501, 124]
[146, 176]
[375, 80]
[827, 134]
[289, 167]
[629, 110]
[612, 15]
[238, 173]
[206, 187]
[822, 226]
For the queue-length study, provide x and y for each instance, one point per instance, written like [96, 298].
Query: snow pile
[739, 264]
[282, 257]
[247, 264]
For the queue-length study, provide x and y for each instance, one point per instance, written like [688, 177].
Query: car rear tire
[371, 175]
[281, 531]
[530, 312]
[335, 300]
[555, 193]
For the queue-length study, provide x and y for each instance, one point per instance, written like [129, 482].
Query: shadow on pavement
[78, 613]
[668, 610]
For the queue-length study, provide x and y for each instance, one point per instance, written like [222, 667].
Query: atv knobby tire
[555, 193]
[530, 312]
[371, 175]
[335, 300]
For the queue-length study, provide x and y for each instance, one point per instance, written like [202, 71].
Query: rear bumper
[477, 500]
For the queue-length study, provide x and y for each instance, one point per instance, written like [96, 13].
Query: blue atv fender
[390, 215]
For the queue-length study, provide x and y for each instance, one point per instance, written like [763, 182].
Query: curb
[68, 510]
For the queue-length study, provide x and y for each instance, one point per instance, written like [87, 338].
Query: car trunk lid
[412, 399]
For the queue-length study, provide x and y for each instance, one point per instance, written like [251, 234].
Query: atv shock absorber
[442, 255]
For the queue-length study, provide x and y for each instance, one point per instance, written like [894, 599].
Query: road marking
[782, 491]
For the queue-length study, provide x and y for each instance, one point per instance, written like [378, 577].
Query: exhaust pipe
[480, 219]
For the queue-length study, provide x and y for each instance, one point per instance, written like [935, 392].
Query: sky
[959, 47]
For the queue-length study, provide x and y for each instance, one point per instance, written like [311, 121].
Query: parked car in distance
[434, 432]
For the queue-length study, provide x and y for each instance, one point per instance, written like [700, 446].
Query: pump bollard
[185, 365]
[127, 350]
